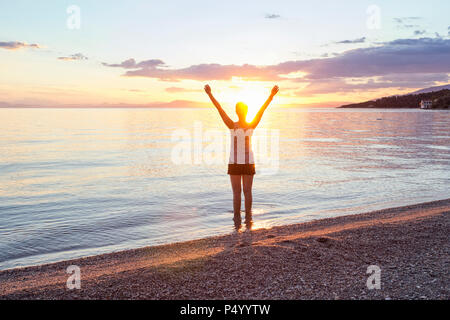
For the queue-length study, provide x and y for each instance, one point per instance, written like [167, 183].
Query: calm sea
[79, 182]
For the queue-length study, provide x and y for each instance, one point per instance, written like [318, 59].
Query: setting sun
[252, 93]
[253, 98]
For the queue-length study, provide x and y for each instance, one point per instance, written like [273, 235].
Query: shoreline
[320, 259]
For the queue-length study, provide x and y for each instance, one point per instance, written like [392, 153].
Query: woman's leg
[236, 185]
[247, 182]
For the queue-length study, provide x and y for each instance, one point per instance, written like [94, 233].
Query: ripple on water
[111, 184]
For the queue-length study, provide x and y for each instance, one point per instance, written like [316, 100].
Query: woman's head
[241, 110]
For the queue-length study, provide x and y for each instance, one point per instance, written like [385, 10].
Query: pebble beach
[321, 259]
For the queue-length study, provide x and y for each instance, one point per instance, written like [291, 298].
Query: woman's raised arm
[260, 113]
[226, 119]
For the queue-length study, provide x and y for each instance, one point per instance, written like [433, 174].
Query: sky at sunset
[320, 53]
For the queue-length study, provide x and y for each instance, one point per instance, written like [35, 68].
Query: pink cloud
[399, 58]
[15, 45]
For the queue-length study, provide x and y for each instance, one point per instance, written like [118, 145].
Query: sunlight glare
[253, 95]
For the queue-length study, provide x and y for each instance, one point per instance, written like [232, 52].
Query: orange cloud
[15, 45]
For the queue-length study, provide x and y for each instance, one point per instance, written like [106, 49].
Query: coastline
[320, 259]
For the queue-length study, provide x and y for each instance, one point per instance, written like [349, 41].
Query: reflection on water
[83, 182]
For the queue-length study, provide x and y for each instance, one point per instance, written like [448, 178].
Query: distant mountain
[172, 104]
[411, 100]
[4, 104]
[432, 89]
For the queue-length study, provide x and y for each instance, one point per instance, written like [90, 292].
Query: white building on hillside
[426, 104]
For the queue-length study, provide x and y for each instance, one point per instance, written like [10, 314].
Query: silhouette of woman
[241, 165]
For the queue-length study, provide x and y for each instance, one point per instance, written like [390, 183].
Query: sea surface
[80, 182]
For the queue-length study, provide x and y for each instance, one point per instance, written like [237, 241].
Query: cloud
[424, 55]
[179, 89]
[15, 45]
[341, 85]
[131, 64]
[359, 40]
[419, 32]
[406, 22]
[74, 57]
[402, 58]
[405, 19]
[198, 72]
[272, 16]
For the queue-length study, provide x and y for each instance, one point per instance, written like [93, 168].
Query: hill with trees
[441, 100]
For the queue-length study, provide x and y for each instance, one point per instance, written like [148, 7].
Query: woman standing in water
[241, 166]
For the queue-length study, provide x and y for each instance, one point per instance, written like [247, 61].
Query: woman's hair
[241, 109]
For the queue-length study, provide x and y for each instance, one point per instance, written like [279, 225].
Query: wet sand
[321, 259]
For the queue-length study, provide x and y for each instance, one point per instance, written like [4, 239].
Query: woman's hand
[274, 91]
[208, 89]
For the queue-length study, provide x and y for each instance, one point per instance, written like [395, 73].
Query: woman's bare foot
[248, 220]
